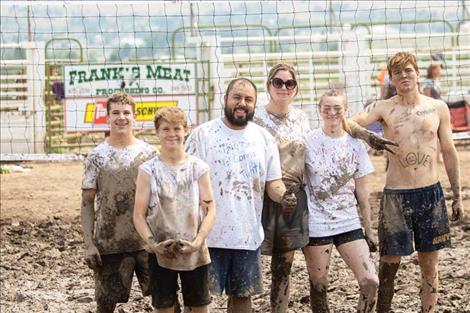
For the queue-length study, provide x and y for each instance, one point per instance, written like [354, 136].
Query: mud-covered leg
[281, 265]
[318, 263]
[105, 307]
[387, 271]
[428, 261]
[318, 297]
[357, 256]
[239, 305]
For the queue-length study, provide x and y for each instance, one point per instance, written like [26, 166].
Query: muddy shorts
[113, 280]
[238, 272]
[407, 214]
[284, 232]
[338, 239]
[164, 285]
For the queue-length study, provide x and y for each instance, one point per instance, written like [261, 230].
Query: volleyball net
[61, 60]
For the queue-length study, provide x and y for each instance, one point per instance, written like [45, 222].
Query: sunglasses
[278, 83]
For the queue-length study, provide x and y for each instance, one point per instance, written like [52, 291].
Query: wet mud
[42, 266]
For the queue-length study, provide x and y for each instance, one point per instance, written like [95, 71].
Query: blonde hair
[172, 115]
[337, 90]
[282, 67]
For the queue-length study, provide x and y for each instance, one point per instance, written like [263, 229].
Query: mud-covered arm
[207, 203]
[451, 160]
[142, 198]
[87, 214]
[362, 195]
[278, 193]
[372, 139]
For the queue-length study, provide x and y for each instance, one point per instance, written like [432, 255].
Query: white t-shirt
[241, 162]
[289, 132]
[113, 172]
[332, 165]
[174, 211]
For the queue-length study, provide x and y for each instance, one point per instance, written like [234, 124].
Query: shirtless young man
[413, 206]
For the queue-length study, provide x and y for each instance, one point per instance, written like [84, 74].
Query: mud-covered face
[171, 135]
[405, 79]
[240, 104]
[332, 110]
[120, 118]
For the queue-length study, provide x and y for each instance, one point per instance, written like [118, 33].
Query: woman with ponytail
[337, 166]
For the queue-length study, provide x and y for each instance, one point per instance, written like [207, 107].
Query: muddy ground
[42, 267]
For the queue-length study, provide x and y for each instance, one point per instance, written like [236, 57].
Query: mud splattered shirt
[174, 211]
[113, 172]
[332, 165]
[241, 162]
[289, 132]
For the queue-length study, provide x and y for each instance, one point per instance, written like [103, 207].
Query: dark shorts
[283, 232]
[238, 272]
[113, 280]
[164, 285]
[338, 239]
[408, 214]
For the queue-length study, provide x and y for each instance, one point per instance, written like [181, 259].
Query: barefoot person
[244, 162]
[413, 208]
[114, 250]
[174, 211]
[337, 167]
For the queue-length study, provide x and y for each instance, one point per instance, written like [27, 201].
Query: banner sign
[143, 79]
[152, 86]
[89, 114]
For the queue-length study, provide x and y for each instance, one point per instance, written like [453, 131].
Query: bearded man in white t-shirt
[244, 162]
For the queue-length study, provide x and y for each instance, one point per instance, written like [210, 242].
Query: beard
[238, 121]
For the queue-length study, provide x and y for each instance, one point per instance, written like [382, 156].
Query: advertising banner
[152, 86]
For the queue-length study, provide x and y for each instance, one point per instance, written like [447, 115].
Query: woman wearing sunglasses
[284, 231]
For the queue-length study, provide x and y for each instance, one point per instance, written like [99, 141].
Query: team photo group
[192, 218]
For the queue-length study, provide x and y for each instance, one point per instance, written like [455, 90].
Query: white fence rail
[22, 108]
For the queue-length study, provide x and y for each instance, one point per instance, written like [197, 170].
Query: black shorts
[164, 285]
[408, 214]
[284, 232]
[338, 239]
[113, 280]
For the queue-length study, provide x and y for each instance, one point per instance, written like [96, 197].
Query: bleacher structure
[36, 87]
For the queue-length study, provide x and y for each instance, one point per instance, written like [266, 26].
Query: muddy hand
[184, 246]
[166, 248]
[93, 258]
[379, 143]
[288, 201]
[371, 242]
[457, 210]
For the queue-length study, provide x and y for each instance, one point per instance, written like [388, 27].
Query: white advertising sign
[86, 88]
[134, 79]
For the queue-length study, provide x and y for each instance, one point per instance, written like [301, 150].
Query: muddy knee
[369, 286]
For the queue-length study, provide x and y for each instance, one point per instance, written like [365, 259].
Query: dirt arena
[42, 267]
